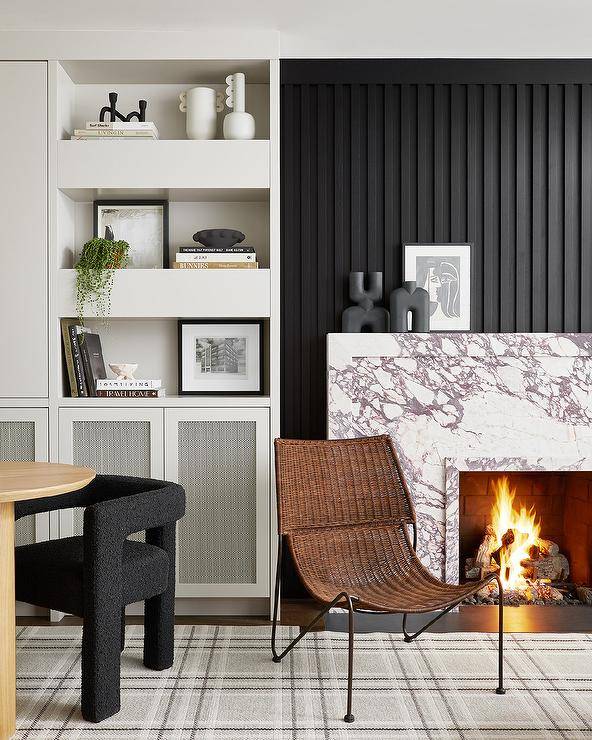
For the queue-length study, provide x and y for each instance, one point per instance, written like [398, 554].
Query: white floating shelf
[178, 293]
[163, 164]
[168, 402]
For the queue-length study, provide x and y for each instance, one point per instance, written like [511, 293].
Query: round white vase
[202, 105]
[239, 125]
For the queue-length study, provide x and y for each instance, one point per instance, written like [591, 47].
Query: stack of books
[85, 367]
[116, 130]
[84, 359]
[216, 258]
[130, 389]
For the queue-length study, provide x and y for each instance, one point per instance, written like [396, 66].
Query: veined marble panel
[494, 401]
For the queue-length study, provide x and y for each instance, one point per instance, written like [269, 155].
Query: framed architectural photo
[220, 357]
[143, 224]
[444, 270]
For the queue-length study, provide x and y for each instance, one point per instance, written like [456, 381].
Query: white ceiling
[521, 28]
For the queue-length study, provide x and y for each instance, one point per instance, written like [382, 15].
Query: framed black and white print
[220, 357]
[444, 270]
[143, 224]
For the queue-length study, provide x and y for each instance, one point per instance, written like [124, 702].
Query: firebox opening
[532, 528]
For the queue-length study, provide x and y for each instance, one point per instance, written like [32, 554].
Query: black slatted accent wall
[500, 156]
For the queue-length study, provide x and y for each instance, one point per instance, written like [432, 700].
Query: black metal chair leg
[349, 717]
[500, 686]
[123, 629]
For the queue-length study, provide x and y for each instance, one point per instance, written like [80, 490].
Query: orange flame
[526, 533]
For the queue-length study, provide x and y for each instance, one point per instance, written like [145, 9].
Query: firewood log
[555, 568]
[488, 543]
[548, 547]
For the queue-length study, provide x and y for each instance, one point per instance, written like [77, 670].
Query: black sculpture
[412, 299]
[115, 114]
[365, 315]
[219, 238]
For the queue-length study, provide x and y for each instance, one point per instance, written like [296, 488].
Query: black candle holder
[115, 115]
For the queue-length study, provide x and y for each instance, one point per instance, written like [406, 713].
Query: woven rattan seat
[345, 513]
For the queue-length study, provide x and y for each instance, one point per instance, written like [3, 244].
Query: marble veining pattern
[496, 401]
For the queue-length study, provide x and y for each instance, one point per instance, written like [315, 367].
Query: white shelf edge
[168, 402]
[171, 294]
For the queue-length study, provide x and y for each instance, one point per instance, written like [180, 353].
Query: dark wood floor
[467, 619]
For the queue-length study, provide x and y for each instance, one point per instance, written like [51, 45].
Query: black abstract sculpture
[365, 315]
[219, 238]
[412, 299]
[115, 115]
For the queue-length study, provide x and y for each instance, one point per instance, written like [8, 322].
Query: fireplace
[533, 528]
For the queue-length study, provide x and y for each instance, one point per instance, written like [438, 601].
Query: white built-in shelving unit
[219, 448]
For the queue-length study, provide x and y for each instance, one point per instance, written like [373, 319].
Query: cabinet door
[113, 442]
[221, 458]
[23, 436]
[23, 229]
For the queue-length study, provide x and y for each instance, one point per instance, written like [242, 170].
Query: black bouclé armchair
[96, 575]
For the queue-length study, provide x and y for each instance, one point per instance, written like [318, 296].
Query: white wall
[313, 28]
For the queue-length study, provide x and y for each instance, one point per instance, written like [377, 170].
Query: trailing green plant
[94, 275]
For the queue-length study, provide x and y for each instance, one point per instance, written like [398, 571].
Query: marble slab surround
[461, 401]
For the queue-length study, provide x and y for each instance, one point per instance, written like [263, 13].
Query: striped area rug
[224, 686]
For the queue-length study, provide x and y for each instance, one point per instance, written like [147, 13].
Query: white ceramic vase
[201, 105]
[239, 124]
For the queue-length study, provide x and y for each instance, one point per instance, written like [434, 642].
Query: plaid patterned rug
[224, 686]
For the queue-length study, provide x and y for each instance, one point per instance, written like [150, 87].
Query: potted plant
[94, 274]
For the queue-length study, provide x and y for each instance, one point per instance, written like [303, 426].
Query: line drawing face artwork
[440, 276]
[444, 271]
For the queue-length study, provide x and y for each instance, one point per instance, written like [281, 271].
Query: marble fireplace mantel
[454, 402]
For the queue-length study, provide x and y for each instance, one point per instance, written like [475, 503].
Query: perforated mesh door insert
[17, 442]
[217, 468]
[120, 447]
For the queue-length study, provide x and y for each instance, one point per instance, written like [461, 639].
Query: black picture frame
[250, 322]
[122, 202]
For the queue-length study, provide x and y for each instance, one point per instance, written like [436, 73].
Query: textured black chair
[96, 575]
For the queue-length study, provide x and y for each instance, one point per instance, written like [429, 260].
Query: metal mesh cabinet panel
[119, 447]
[217, 468]
[17, 442]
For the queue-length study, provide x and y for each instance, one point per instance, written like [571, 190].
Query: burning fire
[516, 532]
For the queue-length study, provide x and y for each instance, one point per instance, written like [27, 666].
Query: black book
[92, 360]
[77, 362]
[216, 250]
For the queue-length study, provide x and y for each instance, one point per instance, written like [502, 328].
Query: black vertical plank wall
[376, 154]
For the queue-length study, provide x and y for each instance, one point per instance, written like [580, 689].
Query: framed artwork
[444, 270]
[143, 224]
[220, 357]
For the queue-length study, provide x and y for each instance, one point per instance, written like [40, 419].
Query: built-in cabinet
[24, 437]
[23, 230]
[221, 458]
[218, 448]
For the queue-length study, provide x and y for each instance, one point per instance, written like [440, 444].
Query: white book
[122, 125]
[216, 257]
[109, 384]
[109, 133]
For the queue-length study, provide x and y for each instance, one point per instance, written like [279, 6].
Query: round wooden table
[20, 481]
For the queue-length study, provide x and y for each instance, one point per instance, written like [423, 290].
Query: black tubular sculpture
[96, 575]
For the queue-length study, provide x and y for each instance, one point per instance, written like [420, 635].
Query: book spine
[90, 384]
[221, 257]
[151, 393]
[127, 385]
[217, 250]
[77, 361]
[120, 125]
[113, 134]
[215, 265]
[69, 359]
